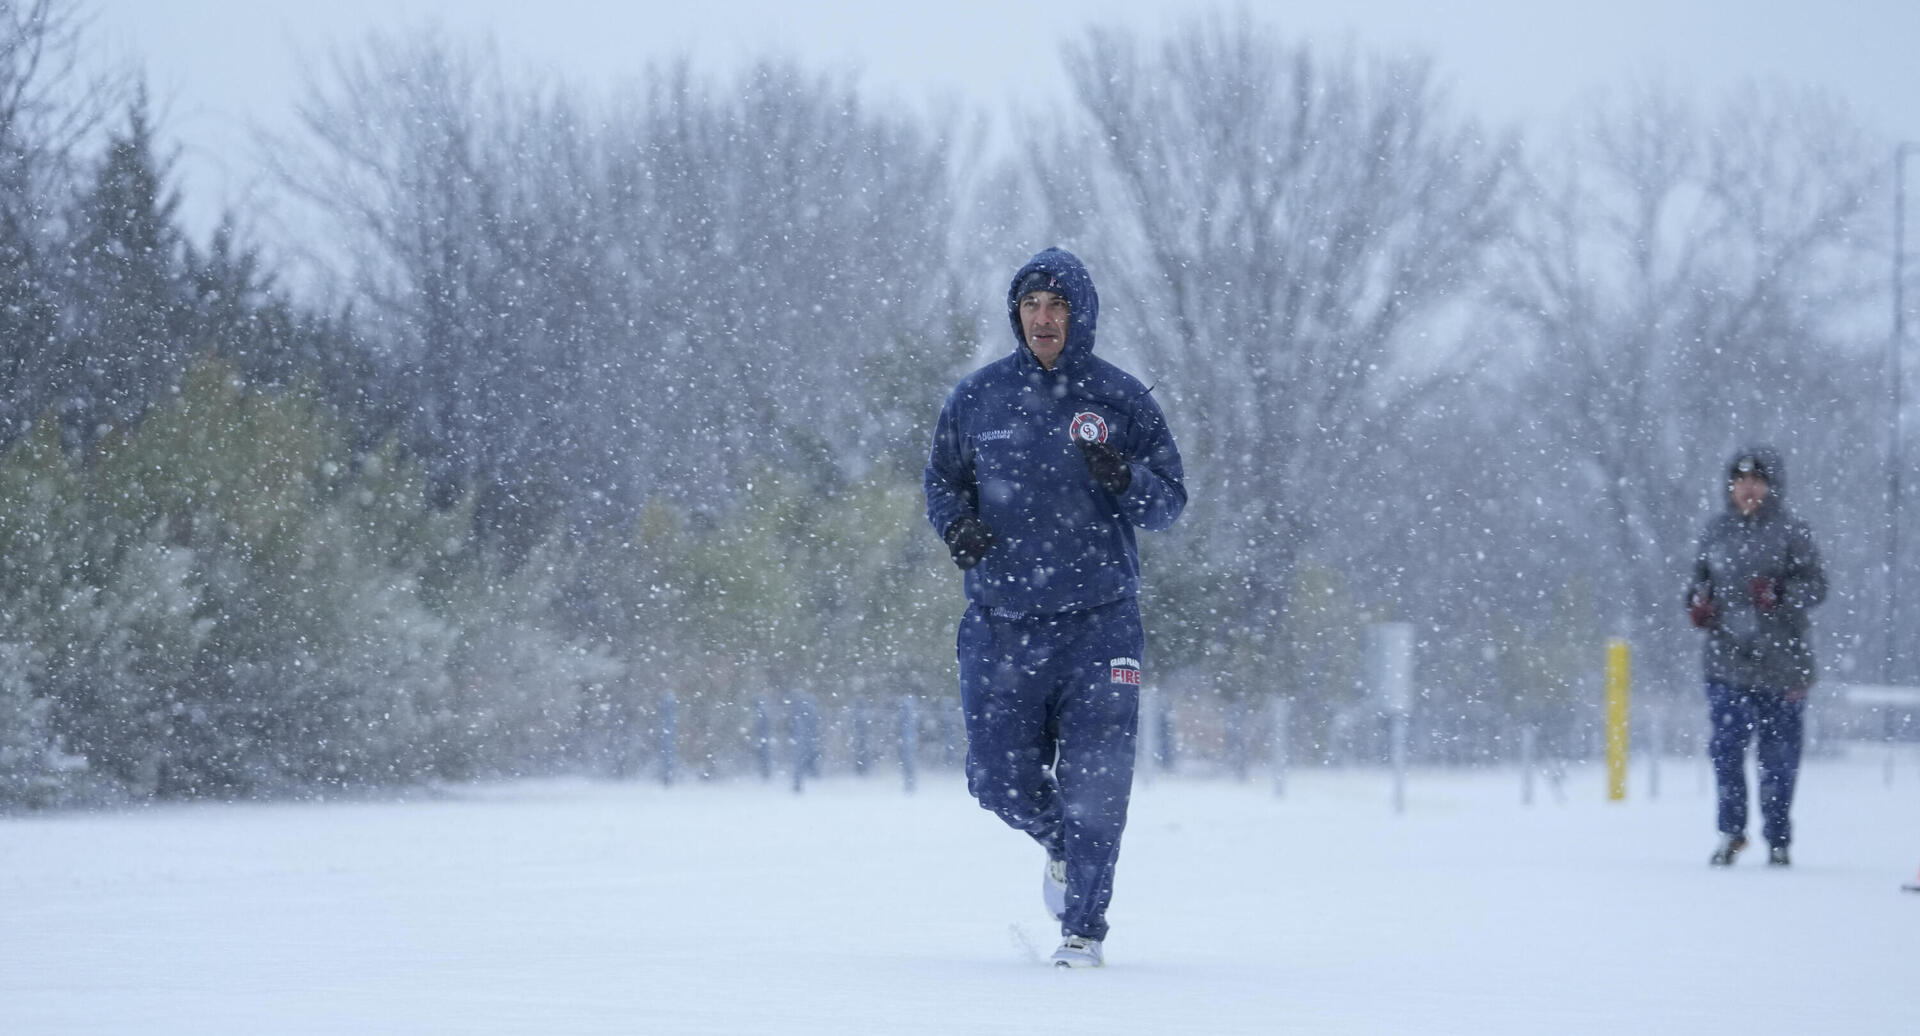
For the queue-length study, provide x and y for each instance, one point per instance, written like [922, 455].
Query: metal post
[1656, 734]
[909, 740]
[803, 726]
[668, 732]
[1146, 745]
[1529, 753]
[763, 739]
[1397, 731]
[1390, 662]
[862, 738]
[1896, 371]
[1239, 716]
[1169, 744]
[1156, 713]
[1893, 746]
[1282, 739]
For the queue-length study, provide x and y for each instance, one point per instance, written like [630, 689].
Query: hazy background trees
[598, 419]
[1689, 282]
[47, 114]
[1293, 240]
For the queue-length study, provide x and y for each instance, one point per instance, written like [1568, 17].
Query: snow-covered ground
[583, 907]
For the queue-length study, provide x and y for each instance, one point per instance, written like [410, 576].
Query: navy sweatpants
[1739, 715]
[1052, 704]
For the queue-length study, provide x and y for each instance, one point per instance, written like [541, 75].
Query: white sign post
[1390, 680]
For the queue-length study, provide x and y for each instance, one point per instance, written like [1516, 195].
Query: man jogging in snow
[1043, 464]
[1757, 575]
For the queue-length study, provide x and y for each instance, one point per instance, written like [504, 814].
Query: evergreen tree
[240, 313]
[126, 313]
[237, 314]
[230, 478]
[26, 747]
[366, 654]
[27, 312]
[36, 531]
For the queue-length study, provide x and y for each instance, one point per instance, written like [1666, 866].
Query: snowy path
[579, 907]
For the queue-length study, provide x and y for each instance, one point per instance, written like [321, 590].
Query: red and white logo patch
[1088, 426]
[1124, 670]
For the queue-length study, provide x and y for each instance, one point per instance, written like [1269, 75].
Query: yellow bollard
[1619, 684]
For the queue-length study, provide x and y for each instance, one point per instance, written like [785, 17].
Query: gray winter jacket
[1745, 559]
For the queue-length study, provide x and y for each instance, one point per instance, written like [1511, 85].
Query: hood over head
[1764, 461]
[1062, 273]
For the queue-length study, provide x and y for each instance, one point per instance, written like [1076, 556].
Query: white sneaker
[1078, 952]
[1053, 888]
[1730, 846]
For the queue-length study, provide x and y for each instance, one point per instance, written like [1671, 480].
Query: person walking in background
[1757, 575]
[1043, 464]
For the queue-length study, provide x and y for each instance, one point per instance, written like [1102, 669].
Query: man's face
[1043, 319]
[1749, 492]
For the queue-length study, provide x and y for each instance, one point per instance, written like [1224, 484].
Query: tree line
[585, 402]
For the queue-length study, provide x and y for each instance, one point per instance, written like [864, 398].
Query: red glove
[1797, 694]
[1764, 595]
[1701, 609]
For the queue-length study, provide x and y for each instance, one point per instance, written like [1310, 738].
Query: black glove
[968, 540]
[1109, 468]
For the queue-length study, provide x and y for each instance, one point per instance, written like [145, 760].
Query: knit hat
[1753, 463]
[1039, 280]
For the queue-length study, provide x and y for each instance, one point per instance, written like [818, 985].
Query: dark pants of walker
[1052, 704]
[1739, 715]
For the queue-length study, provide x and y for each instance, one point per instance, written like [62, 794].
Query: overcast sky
[218, 67]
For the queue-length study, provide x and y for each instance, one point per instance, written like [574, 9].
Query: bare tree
[1290, 241]
[403, 157]
[48, 108]
[670, 297]
[791, 275]
[1688, 282]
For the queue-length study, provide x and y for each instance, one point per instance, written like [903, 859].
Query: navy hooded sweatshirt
[1004, 450]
